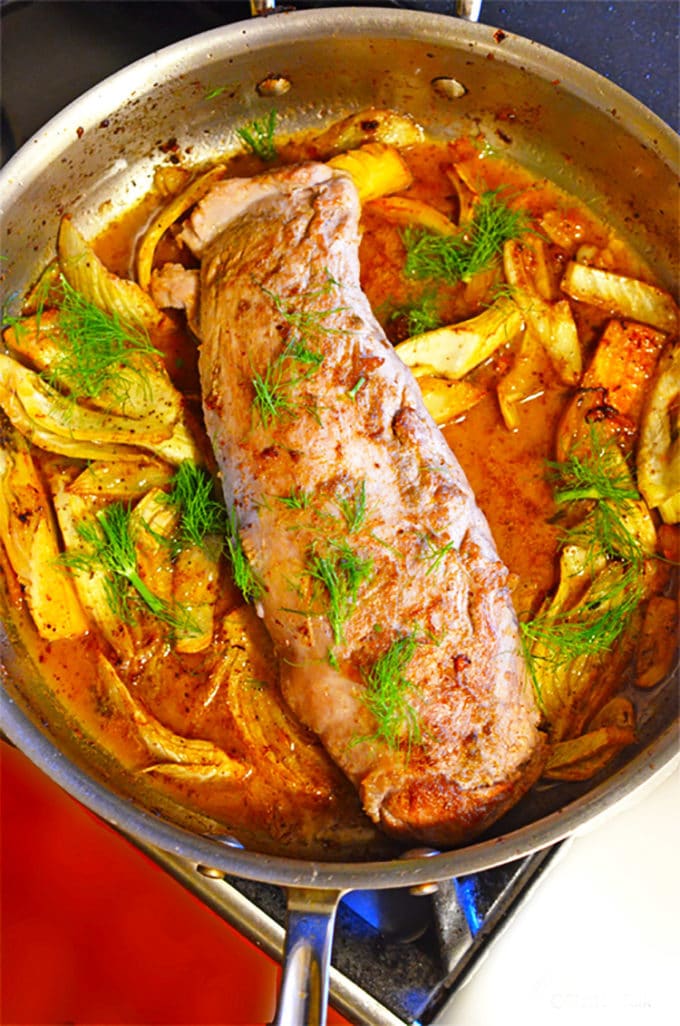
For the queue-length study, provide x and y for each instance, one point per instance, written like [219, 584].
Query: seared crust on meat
[356, 517]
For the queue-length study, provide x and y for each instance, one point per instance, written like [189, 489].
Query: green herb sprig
[245, 578]
[274, 398]
[422, 314]
[297, 498]
[306, 320]
[112, 549]
[341, 572]
[258, 136]
[216, 91]
[454, 258]
[353, 392]
[386, 695]
[99, 345]
[436, 553]
[354, 508]
[298, 361]
[593, 626]
[192, 492]
[602, 479]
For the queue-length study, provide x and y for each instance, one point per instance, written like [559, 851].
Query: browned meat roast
[373, 568]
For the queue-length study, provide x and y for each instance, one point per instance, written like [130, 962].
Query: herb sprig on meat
[245, 577]
[274, 387]
[353, 508]
[386, 695]
[341, 572]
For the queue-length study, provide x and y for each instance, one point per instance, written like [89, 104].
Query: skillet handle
[303, 997]
[468, 9]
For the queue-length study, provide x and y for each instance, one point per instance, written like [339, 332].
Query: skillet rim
[645, 769]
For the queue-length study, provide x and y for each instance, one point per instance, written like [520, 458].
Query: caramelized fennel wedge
[582, 638]
[657, 641]
[29, 533]
[271, 735]
[66, 418]
[175, 755]
[627, 297]
[527, 267]
[582, 757]
[91, 582]
[445, 400]
[586, 631]
[456, 349]
[195, 588]
[110, 479]
[612, 390]
[373, 125]
[376, 170]
[86, 273]
[167, 216]
[466, 196]
[523, 381]
[404, 210]
[658, 455]
[153, 522]
[56, 423]
[534, 290]
[139, 387]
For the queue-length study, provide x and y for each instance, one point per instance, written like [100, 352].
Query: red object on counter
[92, 931]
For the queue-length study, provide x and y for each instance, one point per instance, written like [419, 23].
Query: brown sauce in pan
[507, 470]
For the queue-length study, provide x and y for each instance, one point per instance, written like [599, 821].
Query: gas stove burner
[398, 957]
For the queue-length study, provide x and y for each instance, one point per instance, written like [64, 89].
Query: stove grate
[398, 959]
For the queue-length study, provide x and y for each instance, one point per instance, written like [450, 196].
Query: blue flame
[468, 899]
[366, 904]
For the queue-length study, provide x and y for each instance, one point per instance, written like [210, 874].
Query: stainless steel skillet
[98, 156]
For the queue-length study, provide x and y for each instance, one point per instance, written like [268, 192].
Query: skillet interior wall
[641, 54]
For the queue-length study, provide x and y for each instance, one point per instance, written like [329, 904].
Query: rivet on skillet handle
[303, 995]
[423, 889]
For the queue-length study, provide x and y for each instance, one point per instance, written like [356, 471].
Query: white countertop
[598, 942]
